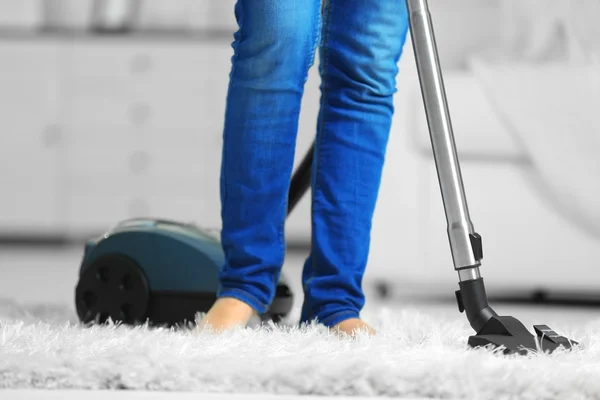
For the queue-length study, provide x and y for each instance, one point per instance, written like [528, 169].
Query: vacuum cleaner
[158, 271]
[164, 272]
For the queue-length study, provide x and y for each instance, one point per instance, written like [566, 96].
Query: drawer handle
[141, 64]
[139, 162]
[140, 113]
[52, 135]
[138, 208]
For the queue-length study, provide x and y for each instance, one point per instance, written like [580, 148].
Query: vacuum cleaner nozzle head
[511, 335]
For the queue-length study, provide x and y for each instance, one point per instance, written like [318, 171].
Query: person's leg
[360, 48]
[273, 51]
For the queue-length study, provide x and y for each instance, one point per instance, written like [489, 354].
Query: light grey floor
[49, 275]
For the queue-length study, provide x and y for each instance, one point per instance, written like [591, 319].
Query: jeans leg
[273, 51]
[362, 42]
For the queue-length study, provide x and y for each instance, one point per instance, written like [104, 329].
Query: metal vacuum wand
[465, 243]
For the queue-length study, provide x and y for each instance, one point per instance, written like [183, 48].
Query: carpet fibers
[414, 355]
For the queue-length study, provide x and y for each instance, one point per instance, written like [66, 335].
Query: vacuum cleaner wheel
[112, 286]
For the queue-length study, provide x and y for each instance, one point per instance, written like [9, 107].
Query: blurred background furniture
[99, 129]
[102, 127]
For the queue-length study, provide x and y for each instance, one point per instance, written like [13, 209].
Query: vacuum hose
[300, 180]
[473, 300]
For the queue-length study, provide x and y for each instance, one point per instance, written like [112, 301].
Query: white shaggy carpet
[414, 355]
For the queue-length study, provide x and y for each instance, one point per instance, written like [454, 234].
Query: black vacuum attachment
[503, 332]
[465, 244]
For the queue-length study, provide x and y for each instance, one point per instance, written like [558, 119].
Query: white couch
[527, 245]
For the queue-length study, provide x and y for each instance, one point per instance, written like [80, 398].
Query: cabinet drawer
[28, 104]
[201, 164]
[99, 212]
[106, 160]
[90, 212]
[30, 207]
[202, 210]
[92, 136]
[185, 198]
[200, 89]
[188, 111]
[28, 158]
[119, 60]
[100, 162]
[207, 138]
[110, 86]
[123, 61]
[33, 57]
[103, 185]
[205, 188]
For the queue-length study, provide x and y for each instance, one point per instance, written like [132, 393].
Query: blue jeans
[360, 43]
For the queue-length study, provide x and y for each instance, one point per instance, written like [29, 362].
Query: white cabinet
[100, 129]
[30, 141]
[143, 127]
[144, 131]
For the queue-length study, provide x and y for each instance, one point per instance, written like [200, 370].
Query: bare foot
[353, 326]
[225, 314]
